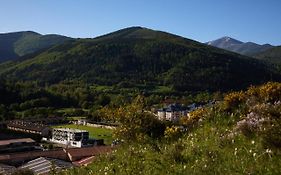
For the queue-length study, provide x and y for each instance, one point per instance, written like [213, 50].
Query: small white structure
[82, 122]
[70, 137]
[172, 113]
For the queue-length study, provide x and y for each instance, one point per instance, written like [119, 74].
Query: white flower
[253, 142]
[268, 151]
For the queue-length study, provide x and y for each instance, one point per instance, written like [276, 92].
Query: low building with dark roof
[29, 127]
[16, 145]
[70, 154]
[50, 120]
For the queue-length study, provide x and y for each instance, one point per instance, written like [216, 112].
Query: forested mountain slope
[142, 56]
[14, 45]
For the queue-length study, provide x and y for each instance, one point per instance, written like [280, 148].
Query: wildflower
[250, 151]
[184, 167]
[253, 142]
[254, 154]
[268, 151]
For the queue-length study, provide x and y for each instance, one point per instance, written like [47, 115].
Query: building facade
[172, 112]
[70, 137]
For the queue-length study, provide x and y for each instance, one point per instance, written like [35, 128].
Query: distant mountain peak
[234, 45]
[226, 40]
[136, 32]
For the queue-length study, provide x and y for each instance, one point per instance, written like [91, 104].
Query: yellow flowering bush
[234, 99]
[253, 91]
[134, 123]
[172, 132]
[271, 91]
[194, 116]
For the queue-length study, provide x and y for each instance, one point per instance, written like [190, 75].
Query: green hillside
[14, 45]
[272, 55]
[142, 56]
[238, 135]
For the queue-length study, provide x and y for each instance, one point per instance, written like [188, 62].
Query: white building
[70, 137]
[173, 112]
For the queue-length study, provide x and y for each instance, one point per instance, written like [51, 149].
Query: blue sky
[201, 20]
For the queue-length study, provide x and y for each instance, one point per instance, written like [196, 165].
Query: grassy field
[96, 133]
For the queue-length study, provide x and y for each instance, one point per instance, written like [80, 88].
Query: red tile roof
[79, 153]
[84, 162]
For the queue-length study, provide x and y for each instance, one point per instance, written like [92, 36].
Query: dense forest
[272, 55]
[139, 56]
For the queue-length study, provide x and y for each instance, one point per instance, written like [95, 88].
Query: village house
[172, 112]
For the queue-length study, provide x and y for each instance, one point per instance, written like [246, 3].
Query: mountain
[248, 48]
[272, 55]
[141, 56]
[224, 42]
[17, 44]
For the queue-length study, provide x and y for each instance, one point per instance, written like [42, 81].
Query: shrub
[271, 92]
[234, 100]
[194, 116]
[173, 132]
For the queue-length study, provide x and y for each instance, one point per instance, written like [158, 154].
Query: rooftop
[44, 165]
[78, 153]
[26, 125]
[12, 141]
[6, 169]
[173, 107]
[84, 162]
